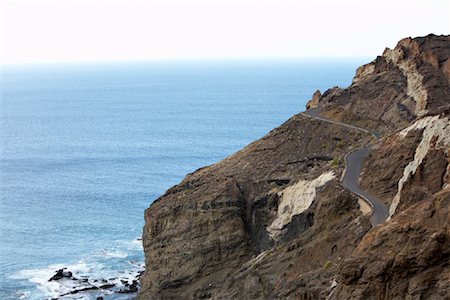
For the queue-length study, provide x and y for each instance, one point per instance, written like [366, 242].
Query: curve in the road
[353, 162]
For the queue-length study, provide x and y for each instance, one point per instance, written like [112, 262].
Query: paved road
[354, 161]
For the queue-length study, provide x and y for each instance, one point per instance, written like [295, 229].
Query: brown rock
[386, 162]
[208, 237]
[314, 100]
[382, 98]
[215, 220]
[412, 264]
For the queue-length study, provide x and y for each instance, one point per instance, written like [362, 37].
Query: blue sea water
[86, 148]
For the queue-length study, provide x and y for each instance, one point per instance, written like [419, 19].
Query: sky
[117, 30]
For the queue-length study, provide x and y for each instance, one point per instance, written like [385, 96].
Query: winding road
[353, 162]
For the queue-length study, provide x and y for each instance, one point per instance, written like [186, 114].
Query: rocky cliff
[273, 220]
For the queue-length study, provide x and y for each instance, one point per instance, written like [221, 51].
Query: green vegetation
[327, 264]
[335, 162]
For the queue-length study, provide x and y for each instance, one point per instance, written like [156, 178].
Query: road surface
[352, 171]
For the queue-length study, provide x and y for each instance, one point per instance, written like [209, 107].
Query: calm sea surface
[86, 148]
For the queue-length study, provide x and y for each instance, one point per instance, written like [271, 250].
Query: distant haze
[65, 31]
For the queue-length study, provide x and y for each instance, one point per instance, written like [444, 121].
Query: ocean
[86, 148]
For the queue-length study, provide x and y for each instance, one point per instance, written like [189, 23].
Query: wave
[113, 254]
[105, 273]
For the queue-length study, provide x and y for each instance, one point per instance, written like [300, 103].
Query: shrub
[335, 162]
[327, 264]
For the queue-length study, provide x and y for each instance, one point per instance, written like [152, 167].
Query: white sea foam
[137, 244]
[40, 277]
[96, 270]
[113, 254]
[23, 294]
[131, 245]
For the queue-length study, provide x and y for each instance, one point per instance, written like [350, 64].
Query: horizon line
[185, 59]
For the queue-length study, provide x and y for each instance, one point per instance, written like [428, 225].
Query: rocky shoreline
[84, 284]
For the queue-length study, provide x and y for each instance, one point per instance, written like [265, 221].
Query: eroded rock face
[385, 164]
[302, 267]
[272, 220]
[409, 81]
[295, 199]
[410, 165]
[425, 173]
[364, 71]
[204, 229]
[314, 100]
[406, 258]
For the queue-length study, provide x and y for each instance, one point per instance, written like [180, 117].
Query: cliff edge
[275, 221]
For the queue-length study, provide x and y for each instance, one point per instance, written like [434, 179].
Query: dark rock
[125, 282]
[107, 286]
[60, 274]
[132, 288]
[82, 289]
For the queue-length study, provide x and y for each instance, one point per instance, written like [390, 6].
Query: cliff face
[407, 82]
[273, 221]
[220, 217]
[406, 258]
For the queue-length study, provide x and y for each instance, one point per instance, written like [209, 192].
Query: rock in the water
[60, 274]
[107, 286]
[130, 288]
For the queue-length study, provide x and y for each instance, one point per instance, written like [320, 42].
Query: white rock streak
[415, 88]
[295, 199]
[434, 127]
[363, 71]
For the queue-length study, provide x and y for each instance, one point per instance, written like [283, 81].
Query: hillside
[274, 220]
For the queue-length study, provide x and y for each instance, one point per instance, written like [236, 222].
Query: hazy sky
[60, 31]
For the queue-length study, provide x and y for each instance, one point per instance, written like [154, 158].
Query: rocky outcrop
[407, 258]
[204, 229]
[404, 83]
[433, 150]
[272, 221]
[415, 88]
[303, 266]
[364, 71]
[314, 100]
[65, 283]
[411, 164]
[385, 164]
[295, 199]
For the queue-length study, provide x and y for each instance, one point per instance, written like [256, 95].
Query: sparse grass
[340, 144]
[327, 264]
[335, 162]
[273, 187]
